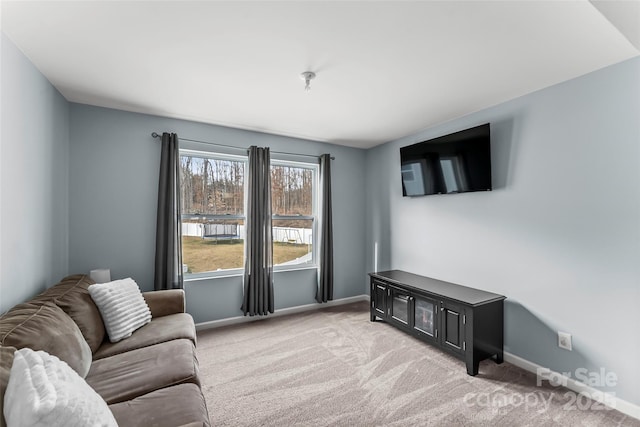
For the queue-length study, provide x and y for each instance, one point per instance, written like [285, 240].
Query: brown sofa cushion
[6, 361]
[181, 404]
[72, 296]
[44, 326]
[128, 375]
[160, 329]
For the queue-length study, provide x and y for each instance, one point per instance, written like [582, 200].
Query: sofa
[148, 379]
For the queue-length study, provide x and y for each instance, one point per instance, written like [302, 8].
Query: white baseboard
[613, 402]
[279, 312]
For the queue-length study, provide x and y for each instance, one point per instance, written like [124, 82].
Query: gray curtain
[168, 262]
[258, 266]
[325, 234]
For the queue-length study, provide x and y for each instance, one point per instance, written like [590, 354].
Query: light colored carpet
[333, 367]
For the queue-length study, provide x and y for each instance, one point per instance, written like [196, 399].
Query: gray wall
[113, 171]
[33, 182]
[560, 233]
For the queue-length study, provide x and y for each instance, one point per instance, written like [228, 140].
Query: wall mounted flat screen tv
[455, 163]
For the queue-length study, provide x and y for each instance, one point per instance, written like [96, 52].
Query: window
[213, 216]
[293, 205]
[212, 199]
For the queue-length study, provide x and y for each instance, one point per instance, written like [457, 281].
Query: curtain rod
[156, 135]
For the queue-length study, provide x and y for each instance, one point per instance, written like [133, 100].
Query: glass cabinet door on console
[399, 307]
[425, 316]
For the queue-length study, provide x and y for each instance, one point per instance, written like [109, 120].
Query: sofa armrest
[162, 303]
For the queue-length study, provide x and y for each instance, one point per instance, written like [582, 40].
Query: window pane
[292, 241]
[211, 186]
[212, 244]
[291, 190]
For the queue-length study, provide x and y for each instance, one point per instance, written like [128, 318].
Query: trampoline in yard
[218, 237]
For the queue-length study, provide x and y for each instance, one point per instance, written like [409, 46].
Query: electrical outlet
[564, 340]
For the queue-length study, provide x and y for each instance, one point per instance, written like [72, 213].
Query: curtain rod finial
[155, 135]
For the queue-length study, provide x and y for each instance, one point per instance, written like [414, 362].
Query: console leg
[473, 370]
[473, 367]
[500, 358]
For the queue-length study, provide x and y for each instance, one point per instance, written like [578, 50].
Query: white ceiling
[385, 69]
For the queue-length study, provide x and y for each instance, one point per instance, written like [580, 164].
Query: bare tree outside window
[212, 186]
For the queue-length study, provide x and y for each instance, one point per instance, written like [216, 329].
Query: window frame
[314, 217]
[228, 272]
[315, 168]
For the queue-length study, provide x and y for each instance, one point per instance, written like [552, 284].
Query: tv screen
[455, 163]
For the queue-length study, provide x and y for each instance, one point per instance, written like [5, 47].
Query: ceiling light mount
[307, 76]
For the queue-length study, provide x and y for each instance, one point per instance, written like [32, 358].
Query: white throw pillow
[44, 391]
[122, 307]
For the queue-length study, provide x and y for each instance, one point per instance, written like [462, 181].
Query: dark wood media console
[466, 322]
